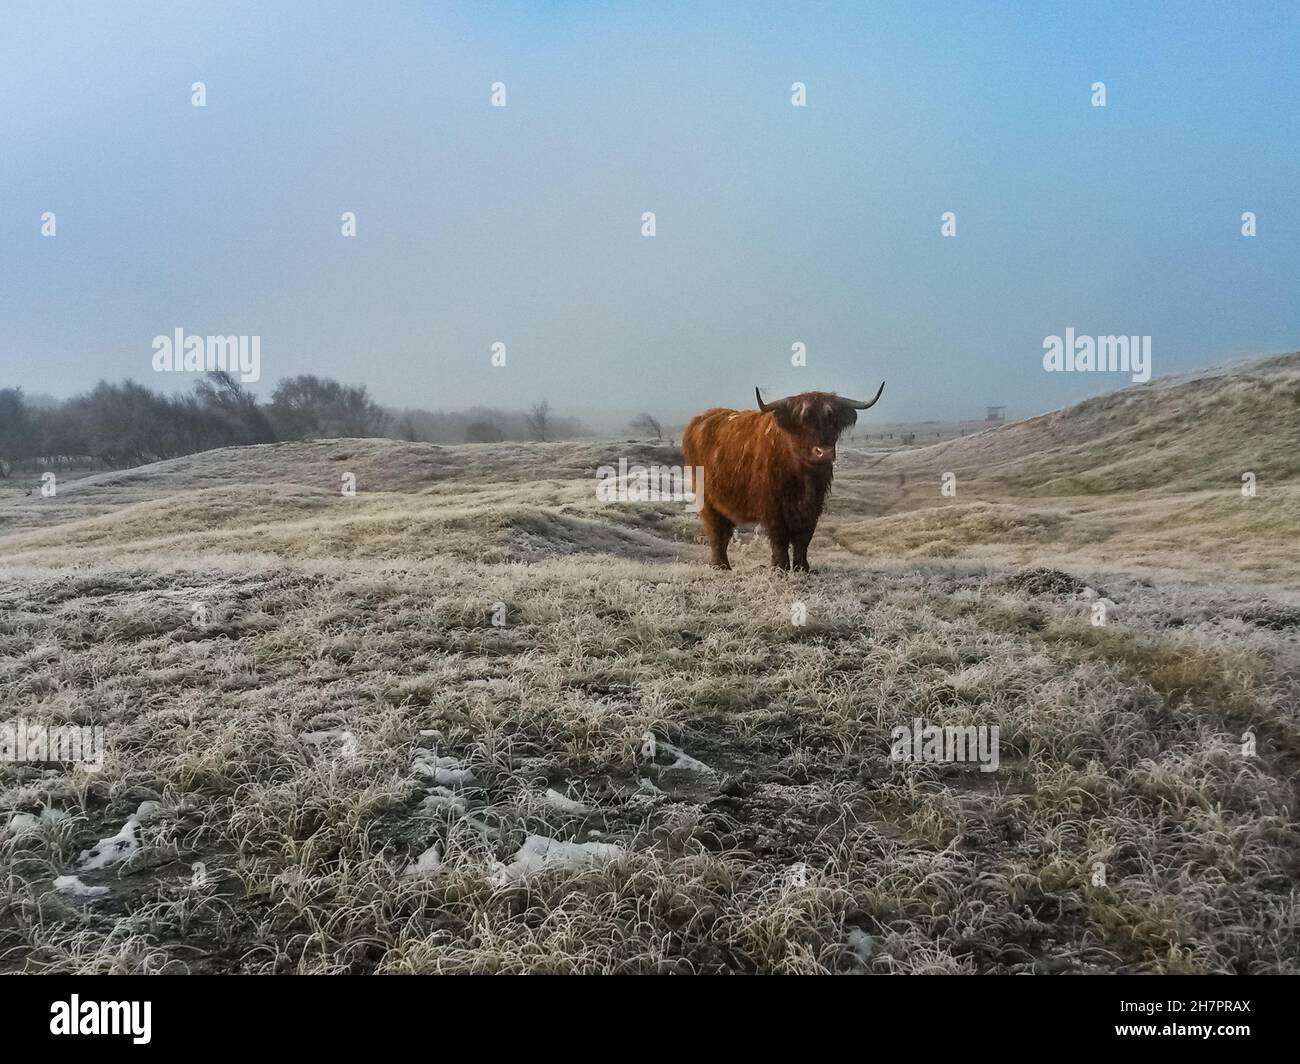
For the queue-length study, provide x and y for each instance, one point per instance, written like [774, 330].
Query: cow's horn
[761, 405]
[855, 404]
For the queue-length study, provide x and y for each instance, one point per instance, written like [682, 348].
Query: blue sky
[522, 224]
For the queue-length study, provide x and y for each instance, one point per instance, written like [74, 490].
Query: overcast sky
[775, 224]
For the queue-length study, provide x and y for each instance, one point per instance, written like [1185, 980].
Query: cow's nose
[824, 454]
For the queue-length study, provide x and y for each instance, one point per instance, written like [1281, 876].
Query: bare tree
[539, 421]
[646, 424]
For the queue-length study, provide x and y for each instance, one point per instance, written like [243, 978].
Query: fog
[524, 225]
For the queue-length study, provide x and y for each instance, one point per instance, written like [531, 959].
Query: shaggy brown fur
[771, 466]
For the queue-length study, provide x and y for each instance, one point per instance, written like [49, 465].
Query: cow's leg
[718, 530]
[780, 541]
[800, 541]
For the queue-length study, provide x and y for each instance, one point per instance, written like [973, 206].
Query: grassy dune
[474, 720]
[1148, 479]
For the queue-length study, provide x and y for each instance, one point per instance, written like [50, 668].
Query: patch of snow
[20, 822]
[559, 801]
[346, 740]
[796, 875]
[539, 853]
[444, 770]
[481, 826]
[684, 760]
[426, 864]
[442, 800]
[860, 945]
[74, 886]
[146, 812]
[114, 850]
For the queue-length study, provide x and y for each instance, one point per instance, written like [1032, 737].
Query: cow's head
[814, 422]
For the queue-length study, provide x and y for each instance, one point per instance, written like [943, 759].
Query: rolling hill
[472, 719]
[1148, 478]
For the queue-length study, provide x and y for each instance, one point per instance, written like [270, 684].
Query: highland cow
[772, 466]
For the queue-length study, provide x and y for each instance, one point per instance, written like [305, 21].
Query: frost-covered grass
[339, 720]
[341, 763]
[1148, 479]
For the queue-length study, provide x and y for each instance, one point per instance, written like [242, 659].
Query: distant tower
[996, 413]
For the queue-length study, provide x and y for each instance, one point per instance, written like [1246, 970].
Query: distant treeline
[119, 425]
[481, 424]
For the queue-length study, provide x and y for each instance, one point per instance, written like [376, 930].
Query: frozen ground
[473, 720]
